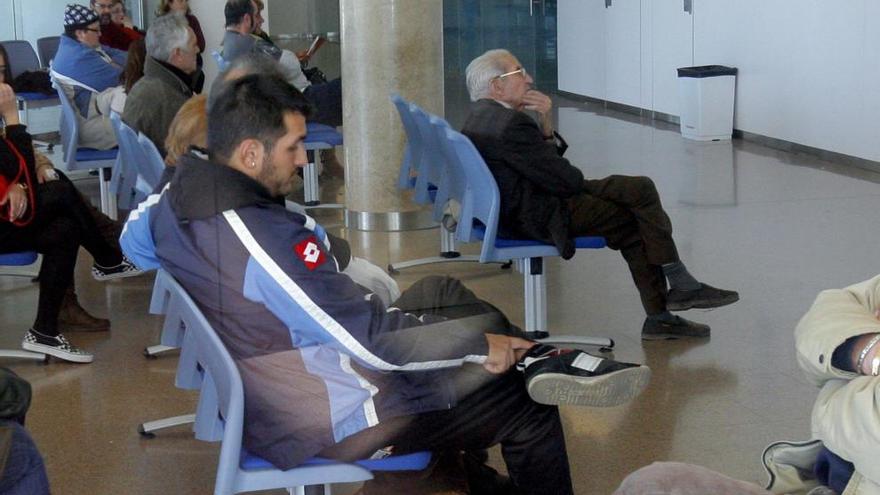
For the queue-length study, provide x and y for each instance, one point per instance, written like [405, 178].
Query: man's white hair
[483, 69]
[165, 34]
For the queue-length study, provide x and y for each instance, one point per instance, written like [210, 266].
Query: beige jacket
[846, 415]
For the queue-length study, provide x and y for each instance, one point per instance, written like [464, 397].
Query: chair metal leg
[33, 356]
[149, 428]
[310, 183]
[535, 287]
[108, 201]
[448, 253]
[154, 350]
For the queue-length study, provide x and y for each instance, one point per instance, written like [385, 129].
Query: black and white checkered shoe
[57, 346]
[571, 377]
[122, 270]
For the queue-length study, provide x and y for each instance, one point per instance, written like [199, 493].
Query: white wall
[809, 70]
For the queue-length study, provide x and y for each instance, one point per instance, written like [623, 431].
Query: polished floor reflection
[777, 227]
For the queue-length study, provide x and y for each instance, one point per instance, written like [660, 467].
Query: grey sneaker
[571, 377]
[122, 270]
[57, 346]
[703, 298]
[678, 328]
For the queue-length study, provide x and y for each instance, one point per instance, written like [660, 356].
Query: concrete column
[387, 46]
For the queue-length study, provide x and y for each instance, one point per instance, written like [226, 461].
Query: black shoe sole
[671, 336]
[701, 303]
[612, 389]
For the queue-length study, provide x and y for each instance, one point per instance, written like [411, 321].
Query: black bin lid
[706, 71]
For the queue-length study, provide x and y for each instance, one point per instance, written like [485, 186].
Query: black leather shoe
[677, 328]
[703, 298]
[571, 377]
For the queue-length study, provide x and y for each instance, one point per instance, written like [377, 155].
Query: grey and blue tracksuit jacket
[320, 357]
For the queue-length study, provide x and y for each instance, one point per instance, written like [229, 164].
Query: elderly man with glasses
[545, 197]
[89, 74]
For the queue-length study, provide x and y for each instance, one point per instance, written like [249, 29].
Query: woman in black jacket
[51, 218]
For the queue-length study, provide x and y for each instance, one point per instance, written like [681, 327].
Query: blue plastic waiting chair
[222, 391]
[47, 48]
[20, 260]
[79, 158]
[472, 184]
[126, 183]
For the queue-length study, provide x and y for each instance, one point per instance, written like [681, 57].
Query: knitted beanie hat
[76, 15]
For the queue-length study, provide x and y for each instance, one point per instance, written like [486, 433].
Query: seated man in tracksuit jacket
[327, 368]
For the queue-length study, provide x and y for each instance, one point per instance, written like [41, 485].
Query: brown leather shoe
[73, 318]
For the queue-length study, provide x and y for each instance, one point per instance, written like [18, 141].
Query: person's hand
[126, 21]
[8, 105]
[17, 200]
[302, 55]
[504, 351]
[542, 104]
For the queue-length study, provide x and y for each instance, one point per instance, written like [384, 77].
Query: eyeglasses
[92, 30]
[103, 5]
[2, 68]
[521, 70]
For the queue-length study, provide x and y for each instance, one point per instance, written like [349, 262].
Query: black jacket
[533, 178]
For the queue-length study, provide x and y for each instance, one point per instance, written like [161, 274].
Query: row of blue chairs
[445, 168]
[421, 171]
[207, 366]
[22, 58]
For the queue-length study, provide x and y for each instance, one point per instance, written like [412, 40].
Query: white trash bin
[706, 101]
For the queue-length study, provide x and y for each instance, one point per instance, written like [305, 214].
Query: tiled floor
[775, 226]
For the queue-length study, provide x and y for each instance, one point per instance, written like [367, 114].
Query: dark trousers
[327, 98]
[626, 210]
[63, 222]
[499, 411]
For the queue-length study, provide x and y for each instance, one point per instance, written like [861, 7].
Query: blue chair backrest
[222, 64]
[68, 128]
[125, 178]
[221, 381]
[152, 165]
[413, 151]
[22, 57]
[472, 184]
[47, 48]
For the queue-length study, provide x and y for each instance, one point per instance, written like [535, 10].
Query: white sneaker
[57, 346]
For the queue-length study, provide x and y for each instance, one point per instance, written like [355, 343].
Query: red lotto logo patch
[310, 253]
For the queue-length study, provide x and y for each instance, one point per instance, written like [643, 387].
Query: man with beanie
[89, 74]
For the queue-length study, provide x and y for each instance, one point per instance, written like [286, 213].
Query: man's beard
[104, 19]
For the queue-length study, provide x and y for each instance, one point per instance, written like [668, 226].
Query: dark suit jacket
[533, 178]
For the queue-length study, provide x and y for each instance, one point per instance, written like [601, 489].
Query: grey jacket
[154, 101]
